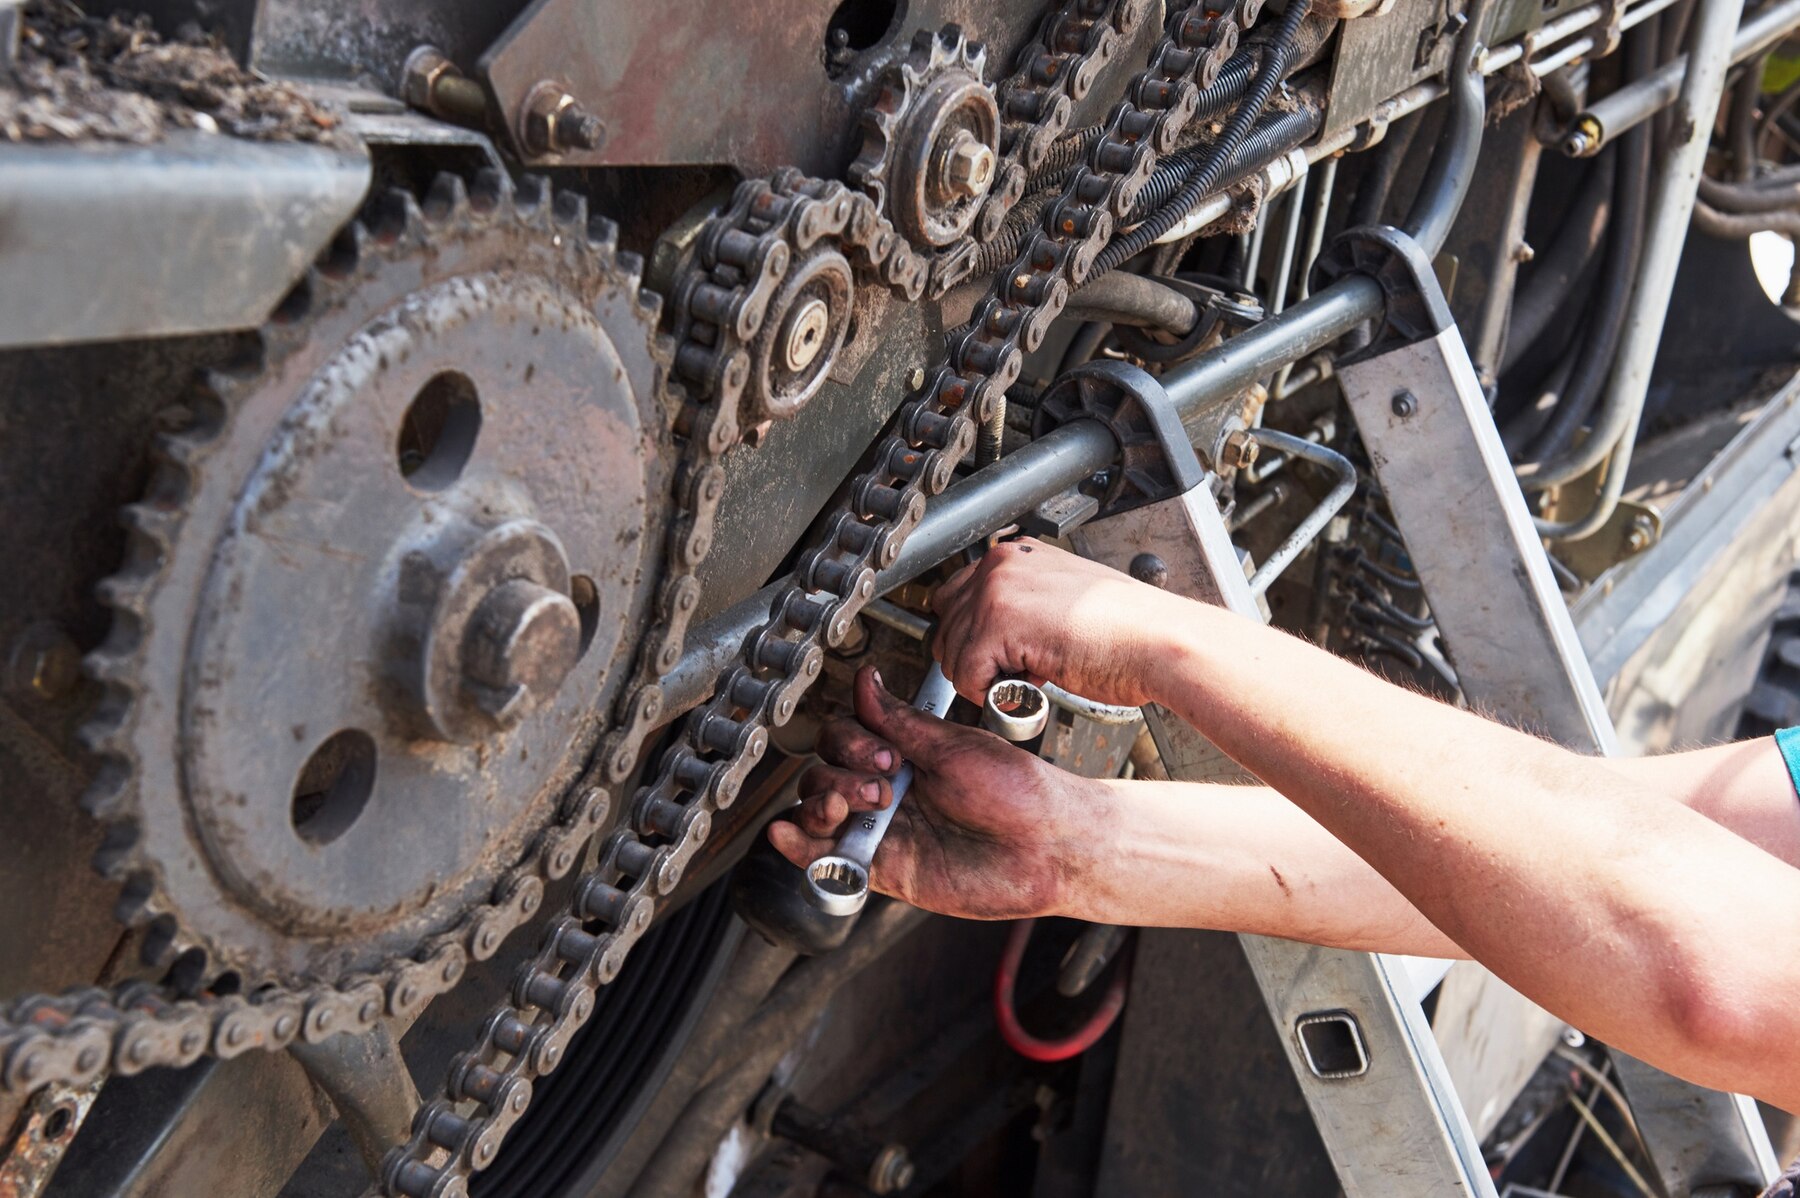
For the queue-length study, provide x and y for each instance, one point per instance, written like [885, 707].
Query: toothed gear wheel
[375, 604]
[929, 156]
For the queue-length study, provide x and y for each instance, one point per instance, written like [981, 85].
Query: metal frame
[1447, 480]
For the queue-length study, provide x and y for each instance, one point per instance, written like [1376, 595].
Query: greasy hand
[1030, 608]
[987, 831]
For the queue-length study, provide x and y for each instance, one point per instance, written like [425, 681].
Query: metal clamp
[1416, 309]
[1156, 459]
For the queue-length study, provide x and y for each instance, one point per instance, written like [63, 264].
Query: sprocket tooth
[344, 254]
[491, 190]
[531, 196]
[447, 196]
[604, 234]
[398, 217]
[162, 942]
[117, 857]
[155, 522]
[570, 210]
[133, 908]
[108, 794]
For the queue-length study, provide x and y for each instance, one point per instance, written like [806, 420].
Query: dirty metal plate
[662, 77]
[196, 233]
[1381, 56]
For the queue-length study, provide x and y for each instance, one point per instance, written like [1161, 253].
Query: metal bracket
[1416, 308]
[1156, 459]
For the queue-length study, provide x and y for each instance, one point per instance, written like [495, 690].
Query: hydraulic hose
[1272, 137]
[1207, 173]
[1670, 209]
[1624, 254]
[1233, 79]
[1121, 298]
[1554, 273]
[1752, 196]
[1013, 1032]
[1452, 167]
[1735, 226]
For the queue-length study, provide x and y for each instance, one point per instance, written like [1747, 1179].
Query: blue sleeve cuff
[1788, 741]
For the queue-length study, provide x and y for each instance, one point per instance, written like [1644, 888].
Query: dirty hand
[1029, 608]
[987, 831]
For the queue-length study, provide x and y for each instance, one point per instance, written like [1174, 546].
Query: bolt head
[1404, 404]
[1147, 567]
[807, 331]
[1240, 450]
[969, 166]
[522, 643]
[554, 122]
[419, 78]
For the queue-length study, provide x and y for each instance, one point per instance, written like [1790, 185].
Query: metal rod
[1632, 104]
[1671, 207]
[1319, 517]
[998, 495]
[1452, 165]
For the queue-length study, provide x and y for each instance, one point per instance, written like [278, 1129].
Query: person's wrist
[1083, 825]
[1166, 657]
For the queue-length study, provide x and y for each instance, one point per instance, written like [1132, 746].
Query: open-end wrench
[839, 884]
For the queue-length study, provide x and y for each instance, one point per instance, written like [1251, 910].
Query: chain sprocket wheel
[382, 572]
[931, 141]
[719, 308]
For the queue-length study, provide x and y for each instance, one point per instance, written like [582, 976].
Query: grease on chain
[718, 308]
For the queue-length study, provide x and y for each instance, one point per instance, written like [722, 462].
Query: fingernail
[876, 675]
[871, 792]
[884, 760]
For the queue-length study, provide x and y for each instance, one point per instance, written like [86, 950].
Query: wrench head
[837, 885]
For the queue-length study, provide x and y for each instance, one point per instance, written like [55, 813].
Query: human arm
[989, 831]
[1593, 889]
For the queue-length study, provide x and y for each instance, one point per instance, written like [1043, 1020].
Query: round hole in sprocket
[334, 786]
[438, 432]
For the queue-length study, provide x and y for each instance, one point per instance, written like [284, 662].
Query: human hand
[1030, 608]
[987, 831]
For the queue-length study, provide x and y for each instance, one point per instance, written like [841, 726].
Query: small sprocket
[381, 595]
[929, 155]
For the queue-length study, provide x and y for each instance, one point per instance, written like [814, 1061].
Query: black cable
[1624, 252]
[1206, 173]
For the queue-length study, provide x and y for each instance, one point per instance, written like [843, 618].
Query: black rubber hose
[1271, 138]
[1555, 271]
[1225, 91]
[1753, 196]
[1624, 252]
[1209, 170]
[1377, 181]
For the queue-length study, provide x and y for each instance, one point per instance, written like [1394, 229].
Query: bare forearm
[1240, 859]
[1573, 883]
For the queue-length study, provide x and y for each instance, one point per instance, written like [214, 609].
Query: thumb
[918, 737]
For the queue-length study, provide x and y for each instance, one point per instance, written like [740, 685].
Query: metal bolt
[1240, 450]
[968, 165]
[1523, 252]
[1147, 567]
[806, 330]
[554, 122]
[521, 644]
[1641, 535]
[1404, 404]
[916, 379]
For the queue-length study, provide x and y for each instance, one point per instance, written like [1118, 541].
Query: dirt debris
[82, 78]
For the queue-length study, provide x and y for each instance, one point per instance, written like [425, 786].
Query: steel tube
[1264, 348]
[1316, 520]
[998, 495]
[1452, 165]
[980, 505]
[1671, 208]
[1636, 102]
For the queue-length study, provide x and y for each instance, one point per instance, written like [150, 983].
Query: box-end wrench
[839, 884]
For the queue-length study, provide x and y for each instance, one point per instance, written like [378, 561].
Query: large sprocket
[381, 596]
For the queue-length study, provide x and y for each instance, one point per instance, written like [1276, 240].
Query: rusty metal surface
[1381, 56]
[761, 61]
[46, 1128]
